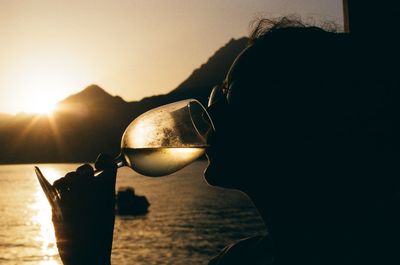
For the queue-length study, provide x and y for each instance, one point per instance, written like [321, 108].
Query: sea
[188, 221]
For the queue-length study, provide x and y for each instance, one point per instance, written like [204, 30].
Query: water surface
[188, 221]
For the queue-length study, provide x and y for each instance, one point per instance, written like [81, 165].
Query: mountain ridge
[91, 93]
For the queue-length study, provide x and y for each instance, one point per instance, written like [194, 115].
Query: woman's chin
[209, 175]
[218, 178]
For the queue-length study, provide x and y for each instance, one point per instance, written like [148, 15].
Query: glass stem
[119, 160]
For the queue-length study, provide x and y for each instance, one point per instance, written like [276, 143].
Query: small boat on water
[128, 203]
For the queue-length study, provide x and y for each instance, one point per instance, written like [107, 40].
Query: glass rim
[204, 111]
[187, 101]
[182, 103]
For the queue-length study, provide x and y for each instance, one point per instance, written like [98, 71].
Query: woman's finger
[85, 171]
[105, 162]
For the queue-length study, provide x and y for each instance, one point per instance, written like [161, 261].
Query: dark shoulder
[255, 250]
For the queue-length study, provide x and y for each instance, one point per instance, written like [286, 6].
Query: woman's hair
[261, 27]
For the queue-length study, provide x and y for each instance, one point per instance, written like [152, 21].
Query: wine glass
[158, 142]
[166, 139]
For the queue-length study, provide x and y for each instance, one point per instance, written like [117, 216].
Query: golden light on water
[43, 219]
[46, 230]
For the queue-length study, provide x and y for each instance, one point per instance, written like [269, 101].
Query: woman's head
[305, 126]
[270, 104]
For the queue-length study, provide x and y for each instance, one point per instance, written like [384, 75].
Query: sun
[42, 78]
[41, 105]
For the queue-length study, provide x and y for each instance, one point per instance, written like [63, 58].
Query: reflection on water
[26, 231]
[42, 218]
[188, 220]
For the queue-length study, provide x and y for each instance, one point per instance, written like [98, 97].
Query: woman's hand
[84, 230]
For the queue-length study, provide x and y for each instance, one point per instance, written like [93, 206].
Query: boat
[128, 203]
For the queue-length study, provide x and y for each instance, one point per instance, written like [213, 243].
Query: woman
[305, 127]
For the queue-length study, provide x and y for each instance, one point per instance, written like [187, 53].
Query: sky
[50, 49]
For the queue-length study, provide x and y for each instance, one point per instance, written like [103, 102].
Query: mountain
[213, 72]
[93, 121]
[199, 84]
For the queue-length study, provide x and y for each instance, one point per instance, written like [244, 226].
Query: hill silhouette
[93, 121]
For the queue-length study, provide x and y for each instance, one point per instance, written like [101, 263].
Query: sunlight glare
[41, 105]
[44, 77]
[41, 84]
[46, 229]
[43, 219]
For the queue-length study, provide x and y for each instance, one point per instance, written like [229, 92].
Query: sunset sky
[50, 49]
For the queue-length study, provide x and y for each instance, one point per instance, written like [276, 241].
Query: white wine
[161, 161]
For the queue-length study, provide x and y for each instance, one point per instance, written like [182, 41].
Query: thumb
[106, 163]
